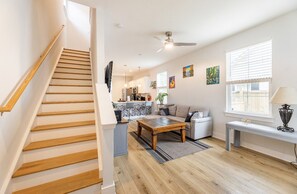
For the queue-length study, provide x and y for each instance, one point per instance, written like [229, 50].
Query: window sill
[261, 118]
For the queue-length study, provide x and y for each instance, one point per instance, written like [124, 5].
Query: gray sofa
[199, 126]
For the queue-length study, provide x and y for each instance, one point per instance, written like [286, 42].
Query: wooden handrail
[19, 91]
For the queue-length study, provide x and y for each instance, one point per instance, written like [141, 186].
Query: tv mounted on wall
[108, 75]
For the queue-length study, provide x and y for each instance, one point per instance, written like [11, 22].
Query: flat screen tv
[108, 75]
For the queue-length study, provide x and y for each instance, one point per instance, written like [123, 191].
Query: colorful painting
[188, 71]
[171, 82]
[213, 75]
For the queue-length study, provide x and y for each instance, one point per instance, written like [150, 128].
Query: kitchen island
[134, 108]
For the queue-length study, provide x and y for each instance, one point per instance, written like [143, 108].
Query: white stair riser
[62, 97]
[95, 189]
[69, 89]
[66, 107]
[52, 175]
[71, 61]
[63, 132]
[46, 120]
[63, 75]
[71, 82]
[74, 65]
[45, 153]
[72, 70]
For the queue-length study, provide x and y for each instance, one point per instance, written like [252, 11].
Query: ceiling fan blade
[161, 49]
[184, 44]
[157, 38]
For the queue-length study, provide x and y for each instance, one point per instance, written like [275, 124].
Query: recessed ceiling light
[139, 54]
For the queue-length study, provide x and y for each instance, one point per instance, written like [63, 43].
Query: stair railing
[13, 99]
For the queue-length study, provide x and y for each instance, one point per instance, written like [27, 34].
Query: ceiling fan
[168, 43]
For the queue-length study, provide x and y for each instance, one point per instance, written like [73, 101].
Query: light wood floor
[211, 171]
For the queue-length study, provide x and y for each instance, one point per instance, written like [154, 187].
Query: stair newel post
[106, 125]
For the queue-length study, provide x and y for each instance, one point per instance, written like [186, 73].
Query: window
[249, 72]
[162, 84]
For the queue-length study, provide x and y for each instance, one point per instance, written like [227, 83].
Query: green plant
[161, 97]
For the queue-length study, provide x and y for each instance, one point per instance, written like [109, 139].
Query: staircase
[61, 153]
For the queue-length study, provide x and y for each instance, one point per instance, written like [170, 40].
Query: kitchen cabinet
[143, 84]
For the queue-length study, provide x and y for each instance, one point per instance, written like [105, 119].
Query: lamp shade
[284, 95]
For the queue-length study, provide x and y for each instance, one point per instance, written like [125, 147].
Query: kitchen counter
[139, 108]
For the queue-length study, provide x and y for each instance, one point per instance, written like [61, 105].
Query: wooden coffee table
[161, 125]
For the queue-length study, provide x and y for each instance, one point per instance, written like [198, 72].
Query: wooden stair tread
[68, 85]
[65, 112]
[62, 67]
[70, 63]
[72, 73]
[75, 50]
[68, 102]
[60, 141]
[75, 55]
[63, 125]
[66, 185]
[75, 59]
[56, 162]
[80, 79]
[70, 93]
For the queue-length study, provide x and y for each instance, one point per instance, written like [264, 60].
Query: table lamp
[285, 96]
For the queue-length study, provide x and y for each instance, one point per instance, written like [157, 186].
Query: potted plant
[161, 97]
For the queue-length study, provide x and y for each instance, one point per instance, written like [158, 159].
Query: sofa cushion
[172, 110]
[182, 111]
[204, 110]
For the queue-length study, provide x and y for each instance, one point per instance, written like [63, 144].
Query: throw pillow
[172, 110]
[189, 116]
[164, 111]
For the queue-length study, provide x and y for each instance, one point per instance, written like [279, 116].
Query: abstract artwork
[188, 71]
[171, 82]
[213, 75]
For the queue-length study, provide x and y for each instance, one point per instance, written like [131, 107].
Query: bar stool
[148, 105]
[129, 107]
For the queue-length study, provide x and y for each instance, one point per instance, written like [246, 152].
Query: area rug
[169, 145]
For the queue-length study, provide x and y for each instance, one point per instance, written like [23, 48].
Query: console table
[262, 130]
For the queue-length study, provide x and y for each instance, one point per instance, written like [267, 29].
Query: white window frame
[247, 115]
[163, 86]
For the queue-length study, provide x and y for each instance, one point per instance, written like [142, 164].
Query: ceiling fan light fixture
[168, 45]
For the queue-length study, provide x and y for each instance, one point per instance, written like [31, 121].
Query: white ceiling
[200, 21]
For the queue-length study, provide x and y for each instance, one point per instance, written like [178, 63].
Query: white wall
[194, 91]
[78, 26]
[118, 83]
[27, 29]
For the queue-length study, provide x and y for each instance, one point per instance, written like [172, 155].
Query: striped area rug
[169, 145]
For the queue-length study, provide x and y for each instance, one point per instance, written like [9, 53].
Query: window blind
[162, 79]
[250, 64]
